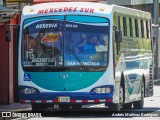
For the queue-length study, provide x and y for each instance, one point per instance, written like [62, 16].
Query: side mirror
[8, 35]
[118, 35]
[141, 66]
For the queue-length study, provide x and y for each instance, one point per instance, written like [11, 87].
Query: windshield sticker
[29, 54]
[40, 62]
[50, 37]
[27, 77]
[85, 63]
[44, 61]
[101, 48]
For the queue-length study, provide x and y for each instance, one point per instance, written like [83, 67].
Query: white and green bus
[77, 53]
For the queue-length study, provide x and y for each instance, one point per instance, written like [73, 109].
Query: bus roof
[89, 8]
[86, 8]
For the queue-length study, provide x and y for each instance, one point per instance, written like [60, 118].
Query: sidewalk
[16, 107]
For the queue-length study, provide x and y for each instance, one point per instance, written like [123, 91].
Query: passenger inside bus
[77, 42]
[90, 46]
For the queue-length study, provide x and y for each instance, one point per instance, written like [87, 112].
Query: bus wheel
[139, 104]
[127, 106]
[38, 107]
[76, 107]
[114, 107]
[117, 106]
[65, 107]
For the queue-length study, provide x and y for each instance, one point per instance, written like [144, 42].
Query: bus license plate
[63, 99]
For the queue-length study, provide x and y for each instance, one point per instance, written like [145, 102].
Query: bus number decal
[29, 54]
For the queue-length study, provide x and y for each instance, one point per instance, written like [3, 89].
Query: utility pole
[155, 36]
[155, 11]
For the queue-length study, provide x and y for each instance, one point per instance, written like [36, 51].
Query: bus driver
[90, 46]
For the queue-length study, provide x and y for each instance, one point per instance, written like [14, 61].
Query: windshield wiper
[78, 59]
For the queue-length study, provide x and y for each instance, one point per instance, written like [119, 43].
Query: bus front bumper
[72, 97]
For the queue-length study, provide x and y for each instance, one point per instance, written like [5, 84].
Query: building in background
[10, 11]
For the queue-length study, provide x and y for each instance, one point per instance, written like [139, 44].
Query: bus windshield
[65, 42]
[132, 65]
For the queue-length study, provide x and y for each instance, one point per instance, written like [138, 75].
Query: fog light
[29, 91]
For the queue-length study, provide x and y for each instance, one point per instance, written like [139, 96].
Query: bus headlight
[102, 90]
[29, 90]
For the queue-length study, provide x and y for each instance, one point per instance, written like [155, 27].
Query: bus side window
[136, 27]
[148, 25]
[142, 28]
[131, 27]
[119, 25]
[124, 26]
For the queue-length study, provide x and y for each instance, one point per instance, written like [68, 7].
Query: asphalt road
[151, 111]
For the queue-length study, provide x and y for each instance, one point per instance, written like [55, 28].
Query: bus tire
[122, 88]
[117, 106]
[65, 107]
[38, 107]
[139, 104]
[76, 107]
[114, 107]
[127, 106]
